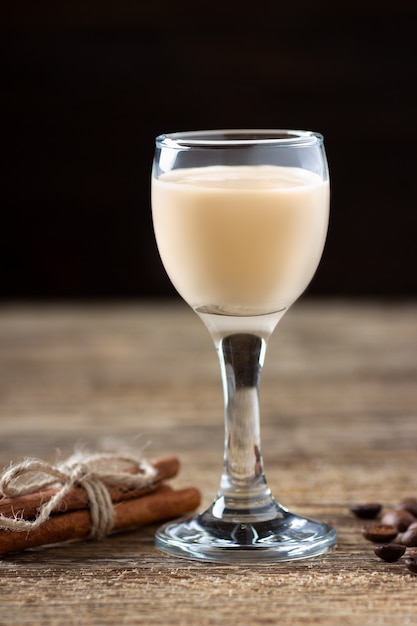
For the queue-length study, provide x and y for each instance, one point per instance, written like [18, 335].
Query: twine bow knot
[91, 472]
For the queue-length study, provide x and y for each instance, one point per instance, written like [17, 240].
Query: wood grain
[339, 425]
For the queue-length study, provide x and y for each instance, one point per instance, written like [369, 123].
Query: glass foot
[206, 538]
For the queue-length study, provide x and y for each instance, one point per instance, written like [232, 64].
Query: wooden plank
[339, 409]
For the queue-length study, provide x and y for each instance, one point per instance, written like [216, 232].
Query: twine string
[91, 472]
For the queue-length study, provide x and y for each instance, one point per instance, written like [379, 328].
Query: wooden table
[339, 425]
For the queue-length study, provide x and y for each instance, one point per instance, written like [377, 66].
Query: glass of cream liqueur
[240, 219]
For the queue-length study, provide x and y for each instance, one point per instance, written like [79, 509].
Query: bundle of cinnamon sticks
[133, 508]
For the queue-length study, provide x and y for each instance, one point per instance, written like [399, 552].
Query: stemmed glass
[240, 219]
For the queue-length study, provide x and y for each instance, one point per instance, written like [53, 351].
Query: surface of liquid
[240, 240]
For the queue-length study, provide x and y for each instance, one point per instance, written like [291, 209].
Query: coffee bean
[366, 511]
[409, 504]
[400, 518]
[379, 533]
[409, 538]
[389, 552]
[411, 563]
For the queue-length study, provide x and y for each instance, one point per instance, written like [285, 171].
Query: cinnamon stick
[162, 504]
[27, 506]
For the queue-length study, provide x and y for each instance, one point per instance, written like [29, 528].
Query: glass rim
[238, 138]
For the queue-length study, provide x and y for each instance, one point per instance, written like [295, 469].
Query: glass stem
[243, 487]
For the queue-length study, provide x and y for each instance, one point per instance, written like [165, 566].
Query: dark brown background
[87, 85]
